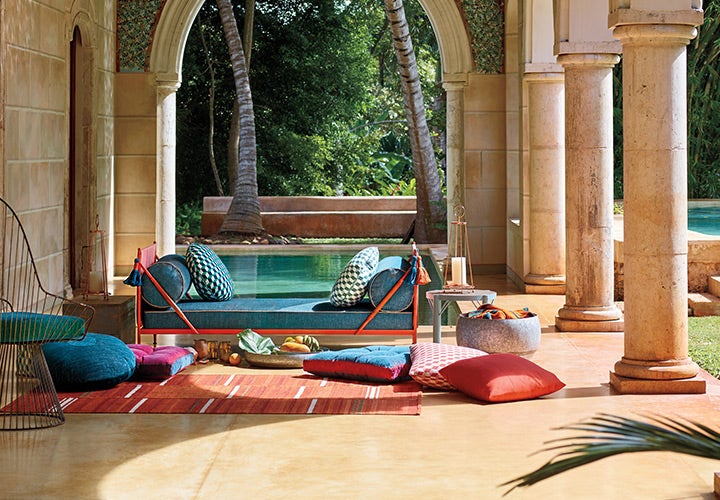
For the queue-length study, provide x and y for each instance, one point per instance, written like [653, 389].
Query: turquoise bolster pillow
[381, 284]
[173, 276]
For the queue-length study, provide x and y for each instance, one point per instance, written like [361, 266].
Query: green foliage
[188, 218]
[704, 107]
[329, 112]
[704, 343]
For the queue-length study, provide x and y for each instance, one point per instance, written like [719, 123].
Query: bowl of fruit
[262, 352]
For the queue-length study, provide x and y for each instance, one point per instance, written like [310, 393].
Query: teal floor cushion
[96, 362]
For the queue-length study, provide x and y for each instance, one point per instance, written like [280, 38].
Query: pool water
[305, 275]
[704, 219]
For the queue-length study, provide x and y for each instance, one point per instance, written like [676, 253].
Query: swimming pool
[311, 273]
[704, 217]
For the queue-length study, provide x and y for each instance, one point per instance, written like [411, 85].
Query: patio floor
[456, 448]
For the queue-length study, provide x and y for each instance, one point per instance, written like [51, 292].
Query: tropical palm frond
[608, 435]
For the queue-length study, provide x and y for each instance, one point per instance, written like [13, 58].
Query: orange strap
[170, 301]
[384, 301]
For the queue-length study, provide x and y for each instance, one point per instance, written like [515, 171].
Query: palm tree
[612, 435]
[243, 216]
[430, 218]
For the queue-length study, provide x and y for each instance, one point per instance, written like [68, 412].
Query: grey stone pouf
[516, 336]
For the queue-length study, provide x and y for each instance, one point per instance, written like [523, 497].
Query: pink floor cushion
[160, 362]
[429, 358]
[501, 377]
[373, 363]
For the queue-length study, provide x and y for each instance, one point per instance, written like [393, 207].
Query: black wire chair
[30, 317]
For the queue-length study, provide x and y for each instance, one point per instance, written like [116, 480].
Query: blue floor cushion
[96, 362]
[373, 363]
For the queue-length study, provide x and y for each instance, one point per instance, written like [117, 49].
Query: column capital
[454, 81]
[597, 60]
[168, 82]
[632, 16]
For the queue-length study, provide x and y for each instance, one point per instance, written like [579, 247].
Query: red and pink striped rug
[259, 394]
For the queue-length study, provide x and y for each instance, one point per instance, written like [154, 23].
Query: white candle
[459, 274]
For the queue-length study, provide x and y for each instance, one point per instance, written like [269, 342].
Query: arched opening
[81, 179]
[166, 62]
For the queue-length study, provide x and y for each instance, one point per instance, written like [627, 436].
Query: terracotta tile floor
[456, 448]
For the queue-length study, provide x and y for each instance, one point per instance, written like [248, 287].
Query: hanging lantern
[95, 275]
[458, 268]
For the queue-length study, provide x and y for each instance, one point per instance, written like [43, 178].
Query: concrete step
[704, 304]
[714, 285]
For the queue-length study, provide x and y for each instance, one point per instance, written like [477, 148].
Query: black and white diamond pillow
[211, 278]
[350, 287]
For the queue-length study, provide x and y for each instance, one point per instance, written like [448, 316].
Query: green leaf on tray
[255, 343]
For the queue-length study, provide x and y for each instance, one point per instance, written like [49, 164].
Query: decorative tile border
[136, 21]
[486, 25]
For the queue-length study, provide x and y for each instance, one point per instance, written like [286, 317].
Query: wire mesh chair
[29, 317]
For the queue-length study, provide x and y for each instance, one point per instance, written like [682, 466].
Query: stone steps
[707, 303]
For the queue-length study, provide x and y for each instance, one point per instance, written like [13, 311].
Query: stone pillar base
[627, 385]
[545, 284]
[574, 325]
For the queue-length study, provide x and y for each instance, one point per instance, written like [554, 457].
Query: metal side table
[440, 300]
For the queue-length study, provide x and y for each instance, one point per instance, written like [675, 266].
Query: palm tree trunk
[430, 219]
[234, 134]
[243, 216]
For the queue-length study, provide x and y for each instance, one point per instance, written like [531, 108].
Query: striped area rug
[258, 394]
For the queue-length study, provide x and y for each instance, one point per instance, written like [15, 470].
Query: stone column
[165, 175]
[546, 135]
[656, 358]
[454, 86]
[589, 298]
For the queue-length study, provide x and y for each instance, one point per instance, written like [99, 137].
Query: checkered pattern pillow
[350, 287]
[428, 359]
[209, 275]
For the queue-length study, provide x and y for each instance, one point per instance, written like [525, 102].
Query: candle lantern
[458, 268]
[95, 273]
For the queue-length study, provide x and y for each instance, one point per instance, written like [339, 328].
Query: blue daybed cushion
[96, 362]
[373, 363]
[173, 275]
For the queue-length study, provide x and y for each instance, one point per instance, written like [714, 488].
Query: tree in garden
[243, 216]
[430, 218]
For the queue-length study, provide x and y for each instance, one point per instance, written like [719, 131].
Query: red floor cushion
[160, 362]
[429, 358]
[501, 377]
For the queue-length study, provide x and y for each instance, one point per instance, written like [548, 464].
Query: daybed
[391, 308]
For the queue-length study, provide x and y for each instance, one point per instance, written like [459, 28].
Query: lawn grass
[704, 343]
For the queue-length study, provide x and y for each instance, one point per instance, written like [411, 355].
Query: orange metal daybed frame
[148, 256]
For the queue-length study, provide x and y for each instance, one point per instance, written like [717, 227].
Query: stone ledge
[704, 304]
